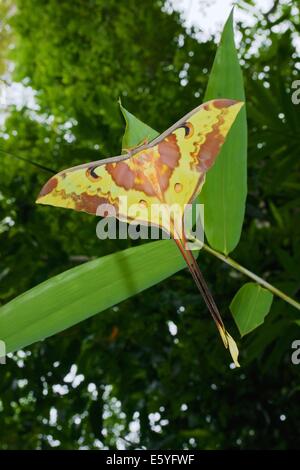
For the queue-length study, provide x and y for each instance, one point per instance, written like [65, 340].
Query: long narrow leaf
[225, 190]
[85, 290]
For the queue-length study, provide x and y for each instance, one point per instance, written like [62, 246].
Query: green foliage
[83, 291]
[67, 51]
[250, 306]
[106, 55]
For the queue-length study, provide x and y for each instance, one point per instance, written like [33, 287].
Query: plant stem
[246, 272]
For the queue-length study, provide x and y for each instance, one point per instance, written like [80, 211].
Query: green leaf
[225, 190]
[136, 131]
[250, 306]
[84, 291]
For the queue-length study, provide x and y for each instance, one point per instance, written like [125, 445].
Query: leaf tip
[233, 349]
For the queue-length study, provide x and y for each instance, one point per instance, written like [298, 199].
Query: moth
[170, 171]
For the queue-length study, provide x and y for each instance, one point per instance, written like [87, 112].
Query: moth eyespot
[143, 203]
[92, 176]
[189, 130]
[177, 187]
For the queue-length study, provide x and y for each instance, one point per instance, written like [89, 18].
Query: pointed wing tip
[39, 200]
[43, 200]
[227, 102]
[238, 105]
[47, 190]
[241, 103]
[234, 105]
[223, 103]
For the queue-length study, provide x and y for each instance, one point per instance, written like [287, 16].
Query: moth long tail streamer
[208, 298]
